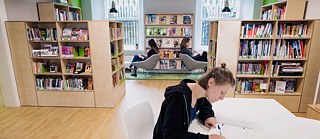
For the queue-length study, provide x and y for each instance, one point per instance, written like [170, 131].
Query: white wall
[169, 6]
[250, 9]
[7, 80]
[25, 10]
[312, 9]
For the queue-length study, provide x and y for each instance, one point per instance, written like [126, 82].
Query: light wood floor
[80, 123]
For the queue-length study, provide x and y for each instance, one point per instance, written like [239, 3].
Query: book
[173, 19]
[176, 42]
[159, 42]
[290, 85]
[173, 31]
[167, 42]
[163, 19]
[280, 87]
[186, 19]
[79, 67]
[151, 18]
[88, 68]
[66, 34]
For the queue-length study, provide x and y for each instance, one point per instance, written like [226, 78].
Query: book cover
[163, 31]
[83, 34]
[173, 31]
[290, 85]
[176, 42]
[159, 42]
[151, 18]
[172, 64]
[66, 34]
[88, 68]
[186, 19]
[173, 19]
[163, 19]
[280, 87]
[167, 42]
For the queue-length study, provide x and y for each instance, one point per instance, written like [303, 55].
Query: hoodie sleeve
[174, 120]
[205, 110]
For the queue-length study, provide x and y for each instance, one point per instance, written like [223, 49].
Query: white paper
[263, 86]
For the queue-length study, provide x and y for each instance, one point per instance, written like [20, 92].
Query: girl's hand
[214, 136]
[210, 122]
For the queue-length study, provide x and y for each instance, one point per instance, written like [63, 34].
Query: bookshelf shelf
[43, 41]
[168, 36]
[251, 76]
[289, 59]
[285, 94]
[252, 60]
[48, 73]
[256, 38]
[288, 9]
[81, 74]
[168, 25]
[251, 94]
[286, 76]
[51, 11]
[165, 48]
[295, 38]
[46, 58]
[76, 58]
[65, 84]
[74, 41]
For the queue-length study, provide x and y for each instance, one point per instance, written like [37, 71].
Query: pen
[219, 129]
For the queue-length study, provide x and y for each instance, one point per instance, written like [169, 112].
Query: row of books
[292, 30]
[253, 68]
[42, 34]
[286, 85]
[49, 83]
[115, 33]
[279, 13]
[69, 84]
[250, 86]
[62, 15]
[79, 84]
[286, 69]
[168, 64]
[255, 49]
[73, 51]
[263, 30]
[75, 34]
[78, 68]
[45, 66]
[163, 19]
[289, 49]
[169, 54]
[168, 42]
[169, 31]
[48, 50]
[267, 15]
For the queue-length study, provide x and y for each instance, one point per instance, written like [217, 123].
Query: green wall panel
[265, 2]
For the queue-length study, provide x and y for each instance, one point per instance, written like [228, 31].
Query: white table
[263, 118]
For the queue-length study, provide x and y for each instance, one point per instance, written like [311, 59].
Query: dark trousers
[203, 57]
[136, 58]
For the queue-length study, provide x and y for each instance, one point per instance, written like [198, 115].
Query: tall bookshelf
[283, 10]
[74, 71]
[51, 11]
[168, 30]
[272, 55]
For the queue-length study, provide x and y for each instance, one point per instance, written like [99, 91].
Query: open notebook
[229, 131]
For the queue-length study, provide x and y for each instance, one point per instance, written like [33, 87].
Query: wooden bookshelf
[213, 39]
[168, 30]
[99, 61]
[229, 42]
[273, 58]
[50, 11]
[293, 9]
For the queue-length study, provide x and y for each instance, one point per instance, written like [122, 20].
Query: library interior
[161, 69]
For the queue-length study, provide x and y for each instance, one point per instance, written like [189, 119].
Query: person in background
[183, 101]
[154, 50]
[185, 43]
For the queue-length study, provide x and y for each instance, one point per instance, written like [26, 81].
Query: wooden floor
[80, 123]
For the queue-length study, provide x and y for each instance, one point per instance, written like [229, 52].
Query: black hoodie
[173, 121]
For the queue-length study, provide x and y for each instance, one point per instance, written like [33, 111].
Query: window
[129, 14]
[212, 10]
